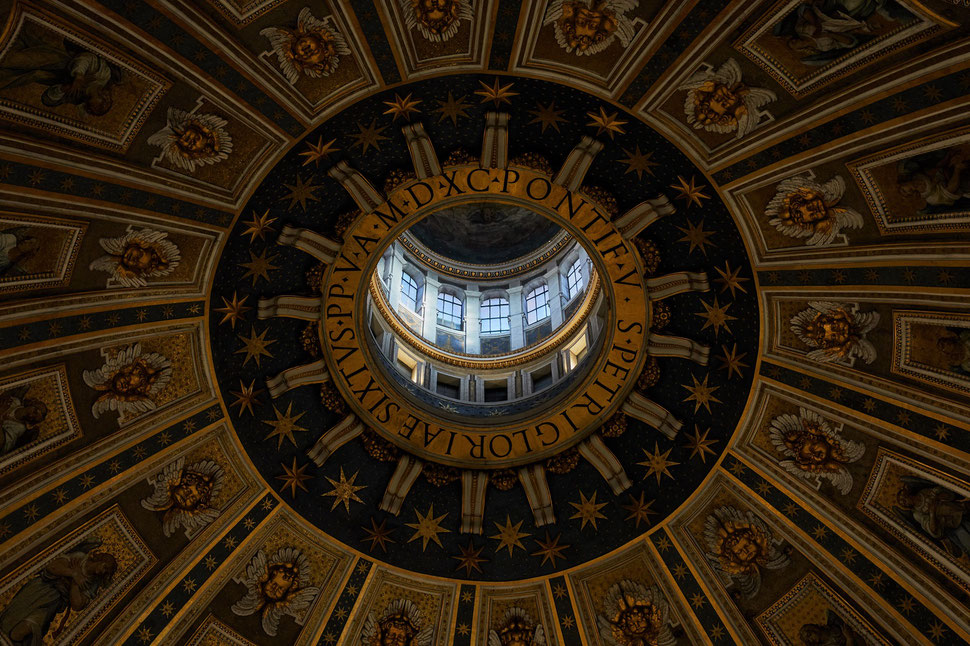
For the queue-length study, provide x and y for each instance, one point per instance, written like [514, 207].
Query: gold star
[701, 394]
[452, 109]
[820, 532]
[680, 570]
[378, 535]
[876, 581]
[402, 107]
[211, 562]
[344, 491]
[230, 542]
[637, 162]
[368, 137]
[470, 558]
[907, 605]
[559, 591]
[189, 585]
[294, 477]
[427, 527]
[496, 94]
[509, 536]
[639, 510]
[315, 152]
[941, 432]
[245, 397]
[467, 596]
[568, 622]
[717, 631]
[587, 510]
[607, 123]
[284, 426]
[732, 361]
[144, 634]
[258, 227]
[300, 193]
[657, 462]
[696, 236]
[362, 567]
[233, 309]
[764, 488]
[699, 445]
[730, 279]
[550, 549]
[937, 630]
[463, 629]
[168, 609]
[849, 556]
[31, 513]
[716, 316]
[698, 600]
[87, 480]
[663, 543]
[60, 496]
[258, 266]
[691, 193]
[791, 509]
[547, 116]
[255, 346]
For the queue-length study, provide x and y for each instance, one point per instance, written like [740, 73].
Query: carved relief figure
[936, 512]
[314, 48]
[17, 247]
[953, 347]
[21, 416]
[803, 208]
[718, 101]
[129, 381]
[635, 615]
[813, 450]
[587, 27]
[276, 586]
[436, 20]
[739, 545]
[821, 31]
[517, 629]
[185, 495]
[192, 140]
[69, 75]
[837, 332]
[835, 632]
[939, 179]
[398, 625]
[68, 583]
[136, 256]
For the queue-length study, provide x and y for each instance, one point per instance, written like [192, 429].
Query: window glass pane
[495, 316]
[449, 311]
[537, 304]
[409, 292]
[574, 278]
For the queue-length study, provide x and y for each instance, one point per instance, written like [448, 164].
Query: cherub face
[436, 15]
[717, 103]
[742, 546]
[195, 140]
[835, 331]
[516, 633]
[140, 259]
[396, 633]
[192, 490]
[585, 27]
[634, 621]
[806, 207]
[813, 449]
[133, 379]
[281, 579]
[312, 50]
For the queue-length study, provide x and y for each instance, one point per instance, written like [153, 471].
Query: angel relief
[191, 140]
[635, 615]
[835, 332]
[184, 494]
[312, 49]
[739, 546]
[719, 101]
[813, 450]
[136, 256]
[398, 625]
[803, 208]
[276, 586]
[517, 629]
[436, 20]
[21, 417]
[587, 27]
[936, 512]
[128, 382]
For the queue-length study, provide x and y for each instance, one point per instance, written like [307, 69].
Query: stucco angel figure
[185, 494]
[517, 629]
[813, 450]
[192, 140]
[587, 27]
[129, 381]
[398, 625]
[136, 256]
[635, 615]
[314, 48]
[739, 545]
[276, 586]
[803, 208]
[837, 332]
[718, 101]
[436, 20]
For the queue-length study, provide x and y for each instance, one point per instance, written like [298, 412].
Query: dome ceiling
[770, 447]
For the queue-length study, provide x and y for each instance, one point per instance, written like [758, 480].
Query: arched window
[495, 315]
[410, 292]
[537, 304]
[574, 279]
[449, 311]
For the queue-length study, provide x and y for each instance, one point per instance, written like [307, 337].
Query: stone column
[394, 285]
[473, 311]
[515, 317]
[431, 286]
[555, 296]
